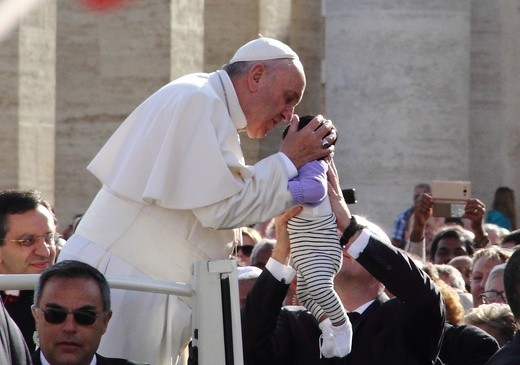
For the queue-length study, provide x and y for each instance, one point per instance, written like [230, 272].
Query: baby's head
[303, 122]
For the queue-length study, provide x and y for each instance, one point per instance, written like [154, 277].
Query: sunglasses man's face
[70, 320]
[245, 250]
[244, 254]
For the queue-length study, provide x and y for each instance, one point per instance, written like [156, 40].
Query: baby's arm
[310, 185]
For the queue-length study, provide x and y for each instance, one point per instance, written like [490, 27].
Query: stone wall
[27, 103]
[397, 86]
[419, 90]
[108, 63]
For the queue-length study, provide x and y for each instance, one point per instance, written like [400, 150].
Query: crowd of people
[317, 284]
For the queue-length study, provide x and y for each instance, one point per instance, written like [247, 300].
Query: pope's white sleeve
[263, 196]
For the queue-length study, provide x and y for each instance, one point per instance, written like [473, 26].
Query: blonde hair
[497, 316]
[493, 252]
[252, 233]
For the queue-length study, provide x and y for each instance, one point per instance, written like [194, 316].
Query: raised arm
[423, 209]
[475, 211]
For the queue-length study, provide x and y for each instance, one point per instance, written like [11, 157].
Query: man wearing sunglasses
[72, 310]
[27, 246]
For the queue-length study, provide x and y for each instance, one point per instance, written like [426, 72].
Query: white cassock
[174, 184]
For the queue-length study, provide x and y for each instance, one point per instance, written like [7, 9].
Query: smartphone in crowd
[449, 198]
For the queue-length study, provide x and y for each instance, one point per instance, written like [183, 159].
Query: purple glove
[310, 185]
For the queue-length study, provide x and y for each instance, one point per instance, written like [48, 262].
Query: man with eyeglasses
[27, 246]
[72, 310]
[494, 288]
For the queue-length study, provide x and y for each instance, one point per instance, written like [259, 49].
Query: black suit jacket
[466, 345]
[406, 329]
[509, 354]
[100, 360]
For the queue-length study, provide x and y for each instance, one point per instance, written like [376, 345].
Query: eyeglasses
[491, 296]
[82, 317]
[29, 240]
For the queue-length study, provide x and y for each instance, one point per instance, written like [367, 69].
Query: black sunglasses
[82, 317]
[246, 249]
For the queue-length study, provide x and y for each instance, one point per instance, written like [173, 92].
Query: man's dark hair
[72, 269]
[512, 283]
[16, 201]
[451, 232]
[236, 68]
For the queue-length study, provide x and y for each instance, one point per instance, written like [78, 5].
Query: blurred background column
[27, 101]
[108, 63]
[397, 86]
[510, 143]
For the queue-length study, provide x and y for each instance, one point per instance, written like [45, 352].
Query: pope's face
[278, 90]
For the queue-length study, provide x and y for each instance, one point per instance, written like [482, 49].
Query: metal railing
[216, 335]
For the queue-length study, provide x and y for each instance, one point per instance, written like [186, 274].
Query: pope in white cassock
[175, 184]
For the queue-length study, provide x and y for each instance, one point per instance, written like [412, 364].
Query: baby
[317, 256]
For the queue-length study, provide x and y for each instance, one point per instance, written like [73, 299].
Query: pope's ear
[255, 76]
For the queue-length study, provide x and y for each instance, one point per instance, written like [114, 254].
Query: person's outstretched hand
[422, 210]
[475, 211]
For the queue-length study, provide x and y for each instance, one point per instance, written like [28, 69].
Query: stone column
[9, 117]
[397, 87]
[28, 97]
[509, 146]
[308, 39]
[494, 126]
[486, 98]
[108, 63]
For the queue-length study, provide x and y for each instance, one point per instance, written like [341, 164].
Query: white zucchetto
[262, 49]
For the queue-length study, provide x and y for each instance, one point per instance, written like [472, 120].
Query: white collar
[363, 307]
[231, 99]
[45, 362]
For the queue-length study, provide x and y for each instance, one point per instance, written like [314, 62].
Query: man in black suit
[72, 310]
[510, 353]
[406, 329]
[27, 246]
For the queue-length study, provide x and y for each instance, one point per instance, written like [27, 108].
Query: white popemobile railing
[217, 335]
